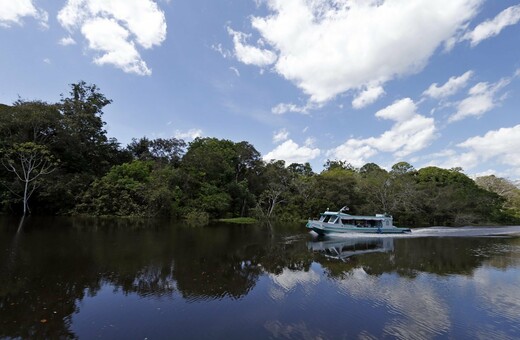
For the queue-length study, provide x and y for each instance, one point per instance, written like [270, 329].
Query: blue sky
[383, 81]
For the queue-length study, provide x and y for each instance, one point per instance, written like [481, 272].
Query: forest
[56, 159]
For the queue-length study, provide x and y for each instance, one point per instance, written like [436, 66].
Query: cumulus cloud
[502, 144]
[481, 98]
[490, 28]
[452, 86]
[367, 97]
[12, 12]
[499, 147]
[116, 28]
[190, 134]
[280, 136]
[411, 132]
[291, 152]
[249, 54]
[329, 47]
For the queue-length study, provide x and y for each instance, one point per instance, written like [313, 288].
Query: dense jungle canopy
[57, 159]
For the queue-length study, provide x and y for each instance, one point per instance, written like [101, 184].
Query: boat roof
[357, 217]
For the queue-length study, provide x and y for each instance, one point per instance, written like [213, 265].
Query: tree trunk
[25, 199]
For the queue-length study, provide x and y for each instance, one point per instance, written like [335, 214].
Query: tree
[84, 141]
[377, 187]
[334, 164]
[29, 121]
[164, 150]
[506, 189]
[220, 168]
[301, 169]
[402, 168]
[406, 200]
[276, 180]
[28, 161]
[449, 197]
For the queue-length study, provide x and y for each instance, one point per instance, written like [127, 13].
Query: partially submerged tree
[29, 162]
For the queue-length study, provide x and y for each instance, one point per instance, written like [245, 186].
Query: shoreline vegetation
[56, 159]
[239, 220]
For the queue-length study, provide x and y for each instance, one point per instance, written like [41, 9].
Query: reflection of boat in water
[340, 222]
[344, 248]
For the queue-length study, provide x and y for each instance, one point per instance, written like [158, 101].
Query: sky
[432, 83]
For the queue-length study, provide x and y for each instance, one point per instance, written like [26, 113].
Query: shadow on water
[49, 266]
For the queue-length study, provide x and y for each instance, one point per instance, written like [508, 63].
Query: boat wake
[502, 231]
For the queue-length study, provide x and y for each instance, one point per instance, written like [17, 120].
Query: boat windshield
[333, 219]
[328, 218]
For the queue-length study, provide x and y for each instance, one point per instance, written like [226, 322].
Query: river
[152, 279]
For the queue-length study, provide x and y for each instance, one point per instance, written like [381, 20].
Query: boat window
[333, 219]
[326, 218]
[345, 221]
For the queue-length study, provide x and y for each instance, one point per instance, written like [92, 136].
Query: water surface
[117, 278]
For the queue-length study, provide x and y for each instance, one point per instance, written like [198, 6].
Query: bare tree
[28, 161]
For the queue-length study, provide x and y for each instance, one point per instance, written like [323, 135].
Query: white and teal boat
[341, 222]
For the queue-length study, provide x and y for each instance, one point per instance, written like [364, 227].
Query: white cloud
[481, 99]
[367, 97]
[490, 28]
[502, 144]
[451, 159]
[500, 148]
[12, 12]
[291, 152]
[411, 132]
[289, 107]
[115, 28]
[190, 134]
[451, 87]
[249, 54]
[329, 47]
[47, 60]
[66, 41]
[280, 136]
[108, 36]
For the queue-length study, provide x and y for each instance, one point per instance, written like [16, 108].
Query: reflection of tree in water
[38, 293]
[54, 266]
[212, 264]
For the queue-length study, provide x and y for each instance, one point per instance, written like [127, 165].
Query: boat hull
[324, 229]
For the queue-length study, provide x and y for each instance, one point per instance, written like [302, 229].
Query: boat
[341, 222]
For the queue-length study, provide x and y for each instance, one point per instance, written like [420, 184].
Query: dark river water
[125, 279]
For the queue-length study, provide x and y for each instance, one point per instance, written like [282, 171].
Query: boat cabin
[377, 221]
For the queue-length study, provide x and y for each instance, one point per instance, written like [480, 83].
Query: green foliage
[120, 192]
[239, 220]
[167, 151]
[197, 218]
[133, 189]
[215, 178]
